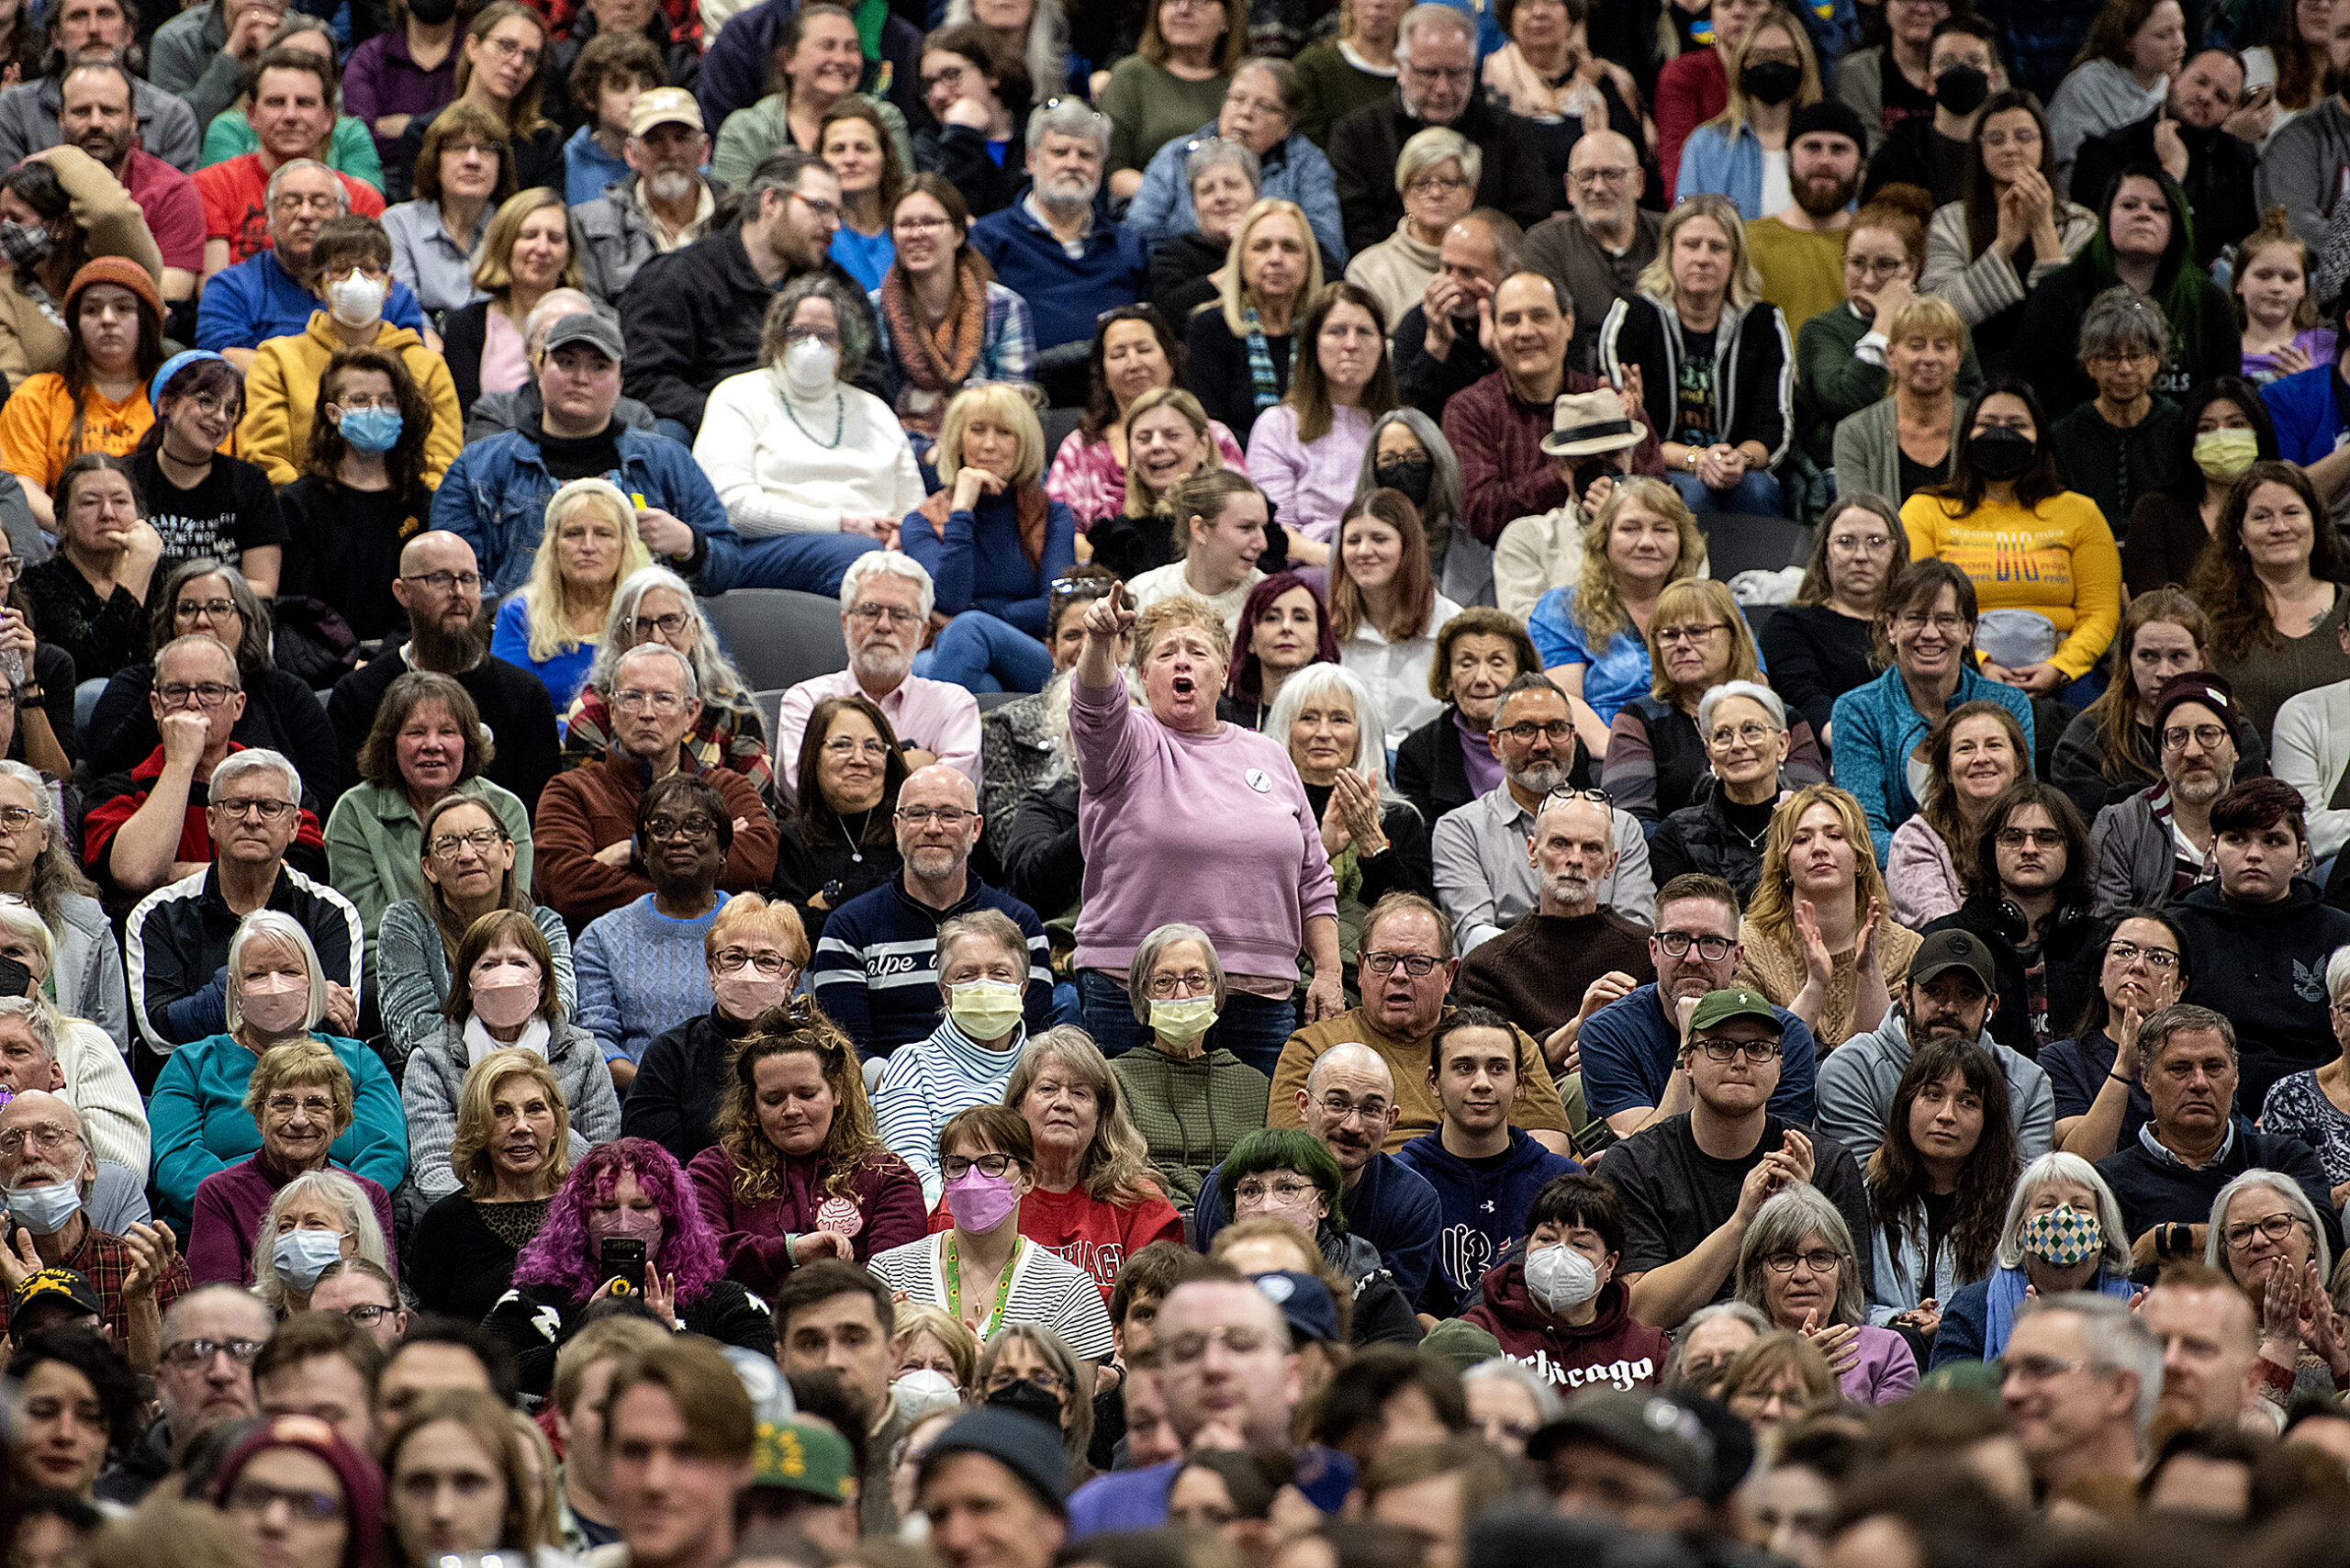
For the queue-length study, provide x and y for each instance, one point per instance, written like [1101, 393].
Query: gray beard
[881, 664]
[2201, 791]
[1540, 779]
[1571, 890]
[669, 185]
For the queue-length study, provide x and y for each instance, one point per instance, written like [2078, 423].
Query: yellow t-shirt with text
[2058, 559]
[36, 426]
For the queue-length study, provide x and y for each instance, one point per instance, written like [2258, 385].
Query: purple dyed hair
[1246, 683]
[559, 1255]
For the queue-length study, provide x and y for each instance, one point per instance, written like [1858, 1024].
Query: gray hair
[22, 918]
[1780, 1226]
[984, 925]
[1670, 1374]
[1068, 117]
[1442, 513]
[2117, 1339]
[176, 1313]
[1548, 1406]
[358, 1215]
[1214, 152]
[657, 650]
[2337, 967]
[848, 317]
[1147, 959]
[1752, 691]
[2215, 1250]
[1438, 143]
[717, 679]
[889, 562]
[275, 926]
[1288, 86]
[198, 641]
[1430, 14]
[2122, 321]
[41, 1020]
[1320, 683]
[342, 196]
[2179, 1018]
[2061, 1167]
[256, 759]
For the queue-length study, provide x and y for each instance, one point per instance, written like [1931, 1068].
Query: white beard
[669, 185]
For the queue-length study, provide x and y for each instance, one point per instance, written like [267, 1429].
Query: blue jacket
[1390, 1206]
[979, 564]
[495, 498]
[1484, 1210]
[258, 299]
[1629, 1050]
[586, 167]
[1725, 163]
[2307, 411]
[1294, 171]
[1064, 295]
[875, 971]
[1877, 728]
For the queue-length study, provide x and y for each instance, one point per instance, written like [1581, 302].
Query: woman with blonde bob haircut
[1396, 271]
[449, 1439]
[993, 543]
[952, 1343]
[1591, 634]
[554, 623]
[513, 1147]
[487, 342]
[755, 950]
[799, 1171]
[1241, 352]
[1926, 351]
[1819, 940]
[1095, 1201]
[1160, 454]
[1032, 1353]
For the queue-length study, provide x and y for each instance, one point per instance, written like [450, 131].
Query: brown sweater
[1775, 969]
[592, 806]
[1534, 974]
[1538, 1108]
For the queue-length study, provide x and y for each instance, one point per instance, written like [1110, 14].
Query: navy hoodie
[2264, 966]
[1482, 1204]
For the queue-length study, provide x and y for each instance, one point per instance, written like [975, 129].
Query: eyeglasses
[694, 828]
[253, 1497]
[462, 148]
[1184, 1349]
[291, 202]
[509, 50]
[1726, 1051]
[1440, 73]
[1282, 1189]
[481, 840]
[1749, 734]
[202, 694]
[668, 625]
[1338, 1108]
[185, 1353]
[636, 699]
[846, 746]
[955, 1166]
[15, 819]
[2037, 837]
[2036, 1368]
[1948, 625]
[441, 582]
[10, 569]
[218, 609]
[2275, 1227]
[1667, 636]
[1600, 796]
[734, 961]
[1603, 174]
[896, 614]
[919, 225]
[947, 817]
[1820, 1261]
[2210, 737]
[366, 1313]
[1436, 185]
[825, 211]
[2128, 952]
[244, 806]
[44, 1140]
[1854, 544]
[2108, 361]
[1527, 732]
[1419, 966]
[1005, 1377]
[804, 333]
[1876, 266]
[1676, 945]
[1195, 982]
[317, 1105]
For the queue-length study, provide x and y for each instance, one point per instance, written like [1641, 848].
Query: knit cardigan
[924, 1085]
[98, 1086]
[1190, 1111]
[415, 968]
[435, 1085]
[1982, 286]
[1776, 969]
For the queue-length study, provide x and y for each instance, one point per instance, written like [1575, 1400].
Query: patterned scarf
[938, 360]
[1260, 362]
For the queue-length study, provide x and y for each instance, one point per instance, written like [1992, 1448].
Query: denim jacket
[495, 498]
[1294, 171]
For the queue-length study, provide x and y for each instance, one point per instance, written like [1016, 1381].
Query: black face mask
[2002, 454]
[1029, 1399]
[1413, 476]
[432, 13]
[15, 978]
[1771, 82]
[1962, 89]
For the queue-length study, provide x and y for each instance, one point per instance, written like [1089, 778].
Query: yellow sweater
[2059, 560]
[282, 399]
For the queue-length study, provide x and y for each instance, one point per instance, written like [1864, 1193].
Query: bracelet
[2117, 1078]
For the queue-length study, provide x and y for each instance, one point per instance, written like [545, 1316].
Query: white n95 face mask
[1561, 1278]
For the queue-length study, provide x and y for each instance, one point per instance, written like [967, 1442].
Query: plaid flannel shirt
[721, 738]
[105, 1260]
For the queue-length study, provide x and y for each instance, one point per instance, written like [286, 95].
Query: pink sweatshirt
[1212, 830]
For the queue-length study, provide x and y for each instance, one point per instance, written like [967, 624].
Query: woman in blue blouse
[992, 541]
[552, 625]
[1592, 632]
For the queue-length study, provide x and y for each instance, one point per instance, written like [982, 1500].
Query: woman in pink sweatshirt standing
[1182, 816]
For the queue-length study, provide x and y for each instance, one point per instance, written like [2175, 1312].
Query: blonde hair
[1234, 293]
[1423, 150]
[1010, 407]
[547, 599]
[1772, 909]
[1702, 594]
[302, 1060]
[954, 1336]
[1928, 313]
[1140, 500]
[1734, 113]
[2274, 231]
[1597, 608]
[494, 274]
[1745, 282]
[469, 1150]
[1181, 610]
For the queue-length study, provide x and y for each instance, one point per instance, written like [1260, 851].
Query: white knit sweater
[2310, 750]
[776, 475]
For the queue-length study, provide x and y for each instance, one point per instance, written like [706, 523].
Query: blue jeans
[1757, 495]
[813, 562]
[980, 653]
[674, 432]
[1252, 1027]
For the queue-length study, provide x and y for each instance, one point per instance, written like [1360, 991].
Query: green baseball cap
[1721, 1006]
[804, 1456]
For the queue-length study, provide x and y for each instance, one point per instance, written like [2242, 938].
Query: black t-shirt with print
[232, 509]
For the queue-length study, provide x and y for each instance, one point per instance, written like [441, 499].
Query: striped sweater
[930, 1082]
[1047, 1290]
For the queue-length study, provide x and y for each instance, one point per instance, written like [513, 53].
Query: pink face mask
[507, 1002]
[276, 1003]
[626, 1224]
[745, 996]
[980, 1202]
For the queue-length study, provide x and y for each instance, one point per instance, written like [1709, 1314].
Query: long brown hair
[1100, 405]
[1982, 196]
[1597, 609]
[857, 107]
[1898, 1184]
[526, 120]
[1939, 807]
[2224, 582]
[1815, 587]
[79, 375]
[812, 809]
[1414, 580]
[2116, 707]
[854, 1139]
[404, 465]
[1309, 391]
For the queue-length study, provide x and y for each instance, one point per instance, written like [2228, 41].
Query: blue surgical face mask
[371, 429]
[301, 1256]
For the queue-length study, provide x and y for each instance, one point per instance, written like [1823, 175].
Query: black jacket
[1180, 270]
[281, 713]
[2068, 947]
[538, 159]
[961, 154]
[1221, 376]
[681, 1081]
[1043, 866]
[535, 1321]
[691, 319]
[2264, 966]
[1431, 774]
[2218, 183]
[1428, 384]
[1754, 361]
[804, 868]
[1699, 837]
[464, 332]
[1363, 148]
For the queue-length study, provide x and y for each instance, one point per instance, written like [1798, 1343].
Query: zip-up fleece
[1754, 369]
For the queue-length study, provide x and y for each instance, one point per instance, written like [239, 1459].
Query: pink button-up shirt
[935, 714]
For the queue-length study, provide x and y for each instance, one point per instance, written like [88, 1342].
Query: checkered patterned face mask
[2062, 1236]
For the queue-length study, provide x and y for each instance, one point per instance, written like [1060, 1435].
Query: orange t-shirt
[36, 426]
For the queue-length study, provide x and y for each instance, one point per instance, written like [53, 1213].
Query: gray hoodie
[186, 60]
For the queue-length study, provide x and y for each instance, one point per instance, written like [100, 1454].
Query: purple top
[1157, 795]
[382, 78]
[1311, 483]
[2315, 341]
[1886, 1372]
[229, 1207]
[1477, 758]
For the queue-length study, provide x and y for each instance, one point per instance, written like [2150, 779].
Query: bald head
[1348, 1102]
[1604, 182]
[937, 850]
[435, 551]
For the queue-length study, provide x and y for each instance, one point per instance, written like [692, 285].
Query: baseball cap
[1304, 1301]
[1651, 1428]
[56, 1286]
[587, 327]
[803, 1455]
[1945, 950]
[1022, 1444]
[663, 105]
[1462, 1342]
[1736, 1002]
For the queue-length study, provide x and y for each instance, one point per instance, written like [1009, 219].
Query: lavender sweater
[1210, 829]
[1311, 483]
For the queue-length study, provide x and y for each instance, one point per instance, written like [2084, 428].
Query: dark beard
[431, 648]
[1815, 204]
[107, 149]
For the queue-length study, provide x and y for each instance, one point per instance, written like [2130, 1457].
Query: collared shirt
[1486, 883]
[106, 1261]
[1076, 248]
[664, 241]
[935, 714]
[430, 259]
[2163, 1154]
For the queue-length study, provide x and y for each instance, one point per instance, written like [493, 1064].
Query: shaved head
[1349, 1057]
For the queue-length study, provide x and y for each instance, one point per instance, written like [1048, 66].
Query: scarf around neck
[937, 359]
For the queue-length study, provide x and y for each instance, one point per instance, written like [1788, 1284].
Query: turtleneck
[581, 457]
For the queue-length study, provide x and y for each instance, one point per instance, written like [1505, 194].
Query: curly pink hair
[560, 1255]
